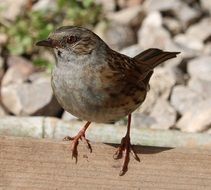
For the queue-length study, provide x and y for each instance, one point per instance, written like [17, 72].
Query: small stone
[183, 98]
[173, 68]
[201, 31]
[131, 16]
[162, 81]
[142, 120]
[132, 51]
[161, 5]
[208, 131]
[108, 5]
[164, 115]
[196, 119]
[161, 84]
[122, 4]
[199, 86]
[185, 52]
[187, 15]
[10, 10]
[189, 42]
[116, 35]
[156, 39]
[45, 5]
[206, 5]
[2, 112]
[173, 25]
[32, 96]
[207, 49]
[18, 71]
[3, 38]
[180, 9]
[149, 102]
[200, 68]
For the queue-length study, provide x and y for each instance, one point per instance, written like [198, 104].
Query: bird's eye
[71, 39]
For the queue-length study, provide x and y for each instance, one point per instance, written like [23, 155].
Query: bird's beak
[46, 43]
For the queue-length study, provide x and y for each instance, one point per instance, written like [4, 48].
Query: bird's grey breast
[76, 87]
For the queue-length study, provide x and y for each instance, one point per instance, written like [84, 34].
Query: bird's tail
[152, 57]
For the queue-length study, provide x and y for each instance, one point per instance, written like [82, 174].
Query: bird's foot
[124, 151]
[75, 142]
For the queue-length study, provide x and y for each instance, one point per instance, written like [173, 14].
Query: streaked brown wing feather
[127, 79]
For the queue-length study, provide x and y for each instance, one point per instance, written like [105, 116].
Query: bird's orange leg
[124, 150]
[75, 141]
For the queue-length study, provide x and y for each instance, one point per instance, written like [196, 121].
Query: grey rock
[208, 131]
[183, 98]
[164, 115]
[195, 36]
[186, 51]
[200, 68]
[202, 87]
[152, 34]
[131, 3]
[161, 84]
[187, 15]
[201, 30]
[207, 49]
[2, 112]
[172, 67]
[108, 5]
[189, 42]
[206, 5]
[173, 25]
[18, 72]
[132, 51]
[3, 38]
[45, 5]
[19, 62]
[131, 16]
[116, 35]
[149, 102]
[142, 120]
[196, 119]
[11, 10]
[179, 9]
[161, 5]
[162, 81]
[29, 97]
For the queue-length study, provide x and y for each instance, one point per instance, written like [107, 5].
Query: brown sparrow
[98, 84]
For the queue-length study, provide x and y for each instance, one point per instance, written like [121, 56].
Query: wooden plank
[40, 164]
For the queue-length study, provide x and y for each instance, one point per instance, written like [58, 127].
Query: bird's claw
[124, 151]
[75, 142]
[89, 147]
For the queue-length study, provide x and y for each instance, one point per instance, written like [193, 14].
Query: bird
[98, 84]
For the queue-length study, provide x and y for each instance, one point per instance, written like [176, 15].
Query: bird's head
[72, 40]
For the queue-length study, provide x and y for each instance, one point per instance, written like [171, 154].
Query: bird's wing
[140, 68]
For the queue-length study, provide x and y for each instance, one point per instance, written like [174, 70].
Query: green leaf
[87, 3]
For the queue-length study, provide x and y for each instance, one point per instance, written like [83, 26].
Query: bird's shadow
[144, 149]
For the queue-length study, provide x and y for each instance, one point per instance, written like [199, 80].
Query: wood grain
[40, 164]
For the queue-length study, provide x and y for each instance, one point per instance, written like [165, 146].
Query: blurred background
[180, 94]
